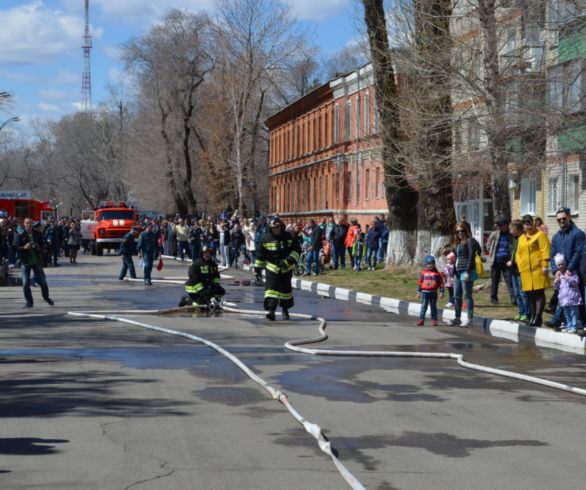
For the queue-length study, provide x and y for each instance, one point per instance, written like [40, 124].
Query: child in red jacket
[429, 282]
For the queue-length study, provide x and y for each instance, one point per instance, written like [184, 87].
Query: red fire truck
[25, 208]
[111, 220]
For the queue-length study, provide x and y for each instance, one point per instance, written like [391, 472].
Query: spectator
[350, 236]
[30, 244]
[358, 250]
[568, 293]
[429, 283]
[182, 235]
[224, 244]
[532, 258]
[499, 247]
[449, 274]
[516, 230]
[541, 225]
[236, 243]
[372, 245]
[465, 248]
[315, 245]
[337, 239]
[569, 241]
[73, 242]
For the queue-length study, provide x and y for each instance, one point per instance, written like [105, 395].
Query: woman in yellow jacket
[532, 258]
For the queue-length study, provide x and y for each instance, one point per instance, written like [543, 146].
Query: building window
[377, 182]
[573, 81]
[367, 185]
[553, 202]
[457, 136]
[358, 177]
[566, 87]
[336, 124]
[376, 118]
[366, 113]
[528, 196]
[473, 134]
[347, 116]
[573, 200]
[512, 101]
[358, 116]
[337, 185]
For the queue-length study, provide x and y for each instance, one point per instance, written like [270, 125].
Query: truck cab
[111, 221]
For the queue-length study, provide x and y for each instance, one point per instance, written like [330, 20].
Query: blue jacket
[147, 243]
[128, 245]
[570, 243]
[372, 238]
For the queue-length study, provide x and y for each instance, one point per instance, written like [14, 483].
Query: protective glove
[283, 264]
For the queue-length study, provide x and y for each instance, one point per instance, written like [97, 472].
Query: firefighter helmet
[276, 222]
[206, 249]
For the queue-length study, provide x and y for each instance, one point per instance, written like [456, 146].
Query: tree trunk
[401, 197]
[495, 104]
[433, 116]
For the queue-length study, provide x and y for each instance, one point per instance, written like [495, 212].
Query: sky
[41, 59]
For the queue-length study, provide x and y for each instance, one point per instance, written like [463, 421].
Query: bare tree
[401, 196]
[257, 41]
[171, 63]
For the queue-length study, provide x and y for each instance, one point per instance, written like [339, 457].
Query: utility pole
[86, 78]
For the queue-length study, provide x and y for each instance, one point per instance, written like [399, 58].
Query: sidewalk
[542, 337]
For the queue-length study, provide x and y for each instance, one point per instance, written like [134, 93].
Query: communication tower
[86, 77]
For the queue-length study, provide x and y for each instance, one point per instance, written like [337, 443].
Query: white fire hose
[293, 345]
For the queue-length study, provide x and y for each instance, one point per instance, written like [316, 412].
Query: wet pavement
[396, 423]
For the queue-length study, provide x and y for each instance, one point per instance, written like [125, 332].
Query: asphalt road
[93, 404]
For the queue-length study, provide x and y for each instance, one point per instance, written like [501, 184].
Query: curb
[540, 337]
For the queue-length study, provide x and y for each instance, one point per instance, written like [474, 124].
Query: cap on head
[559, 259]
[502, 221]
[564, 209]
[429, 260]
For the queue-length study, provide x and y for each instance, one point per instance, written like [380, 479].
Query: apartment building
[565, 42]
[324, 157]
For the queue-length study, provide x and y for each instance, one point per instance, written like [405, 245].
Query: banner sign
[15, 194]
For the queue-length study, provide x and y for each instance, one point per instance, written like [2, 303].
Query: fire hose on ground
[295, 346]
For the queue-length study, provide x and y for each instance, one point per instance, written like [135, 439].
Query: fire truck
[24, 208]
[107, 224]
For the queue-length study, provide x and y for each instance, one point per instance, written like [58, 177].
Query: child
[358, 250]
[568, 293]
[429, 282]
[449, 272]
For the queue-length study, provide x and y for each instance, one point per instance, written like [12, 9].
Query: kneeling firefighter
[278, 253]
[203, 286]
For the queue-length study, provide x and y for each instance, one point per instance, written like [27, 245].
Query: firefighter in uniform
[203, 286]
[278, 252]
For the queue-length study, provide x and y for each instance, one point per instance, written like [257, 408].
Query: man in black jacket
[337, 238]
[315, 245]
[30, 244]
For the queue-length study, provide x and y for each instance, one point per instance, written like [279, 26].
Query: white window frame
[553, 202]
[528, 196]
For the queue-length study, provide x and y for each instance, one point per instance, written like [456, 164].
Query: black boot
[271, 315]
[535, 321]
[286, 314]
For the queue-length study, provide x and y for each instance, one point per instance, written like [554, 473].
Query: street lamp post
[8, 121]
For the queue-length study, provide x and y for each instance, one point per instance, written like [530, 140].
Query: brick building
[324, 153]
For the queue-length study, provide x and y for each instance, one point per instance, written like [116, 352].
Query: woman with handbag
[532, 258]
[467, 252]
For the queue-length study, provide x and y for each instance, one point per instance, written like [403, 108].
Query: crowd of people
[519, 252]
